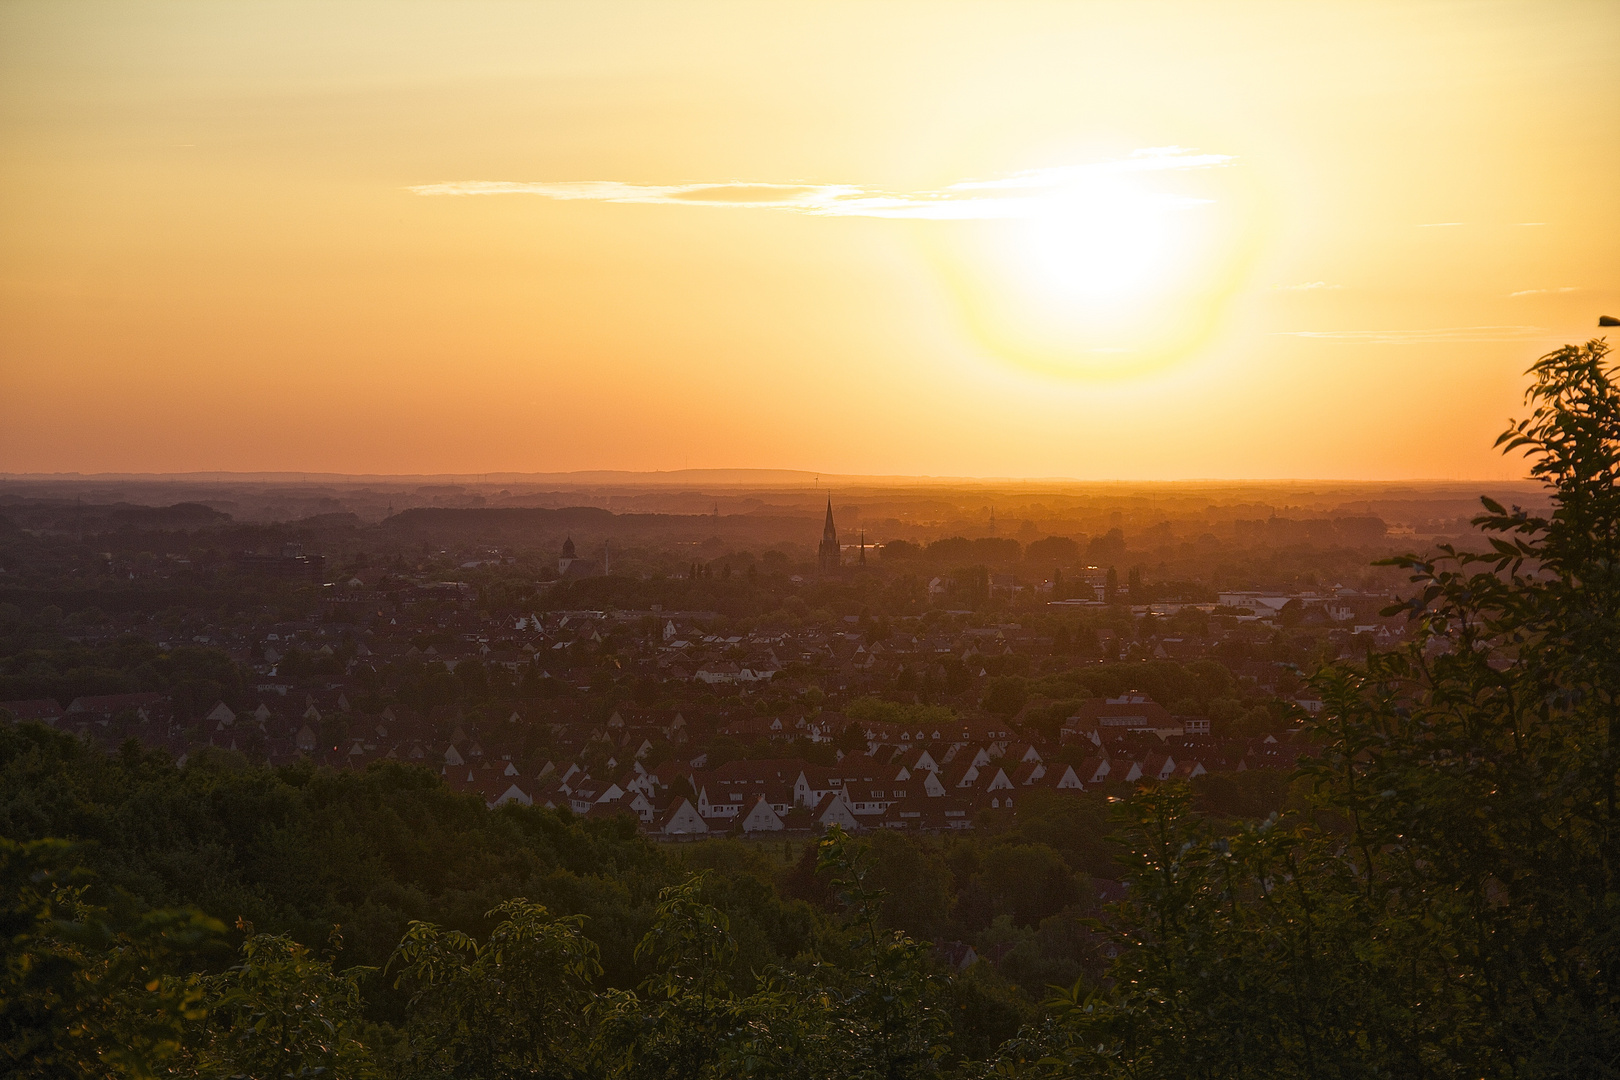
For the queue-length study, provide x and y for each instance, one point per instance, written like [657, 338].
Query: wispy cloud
[1445, 334]
[1018, 195]
[1307, 286]
[1149, 159]
[1543, 292]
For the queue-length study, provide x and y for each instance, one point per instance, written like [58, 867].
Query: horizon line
[712, 475]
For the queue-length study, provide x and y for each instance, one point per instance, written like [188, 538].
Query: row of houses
[928, 788]
[920, 776]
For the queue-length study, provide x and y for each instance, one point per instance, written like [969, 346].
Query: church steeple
[829, 556]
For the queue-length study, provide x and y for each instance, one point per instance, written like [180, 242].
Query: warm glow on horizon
[1102, 240]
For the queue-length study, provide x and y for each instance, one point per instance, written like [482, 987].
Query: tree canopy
[1448, 905]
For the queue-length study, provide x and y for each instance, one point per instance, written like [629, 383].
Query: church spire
[829, 557]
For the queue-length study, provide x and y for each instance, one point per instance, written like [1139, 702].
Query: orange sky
[1093, 240]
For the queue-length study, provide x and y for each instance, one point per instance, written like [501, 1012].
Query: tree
[680, 1022]
[282, 1011]
[915, 884]
[1054, 549]
[1026, 881]
[513, 1006]
[1450, 905]
[91, 991]
[1005, 695]
[1106, 548]
[1242, 955]
[1478, 766]
[879, 1013]
[474, 679]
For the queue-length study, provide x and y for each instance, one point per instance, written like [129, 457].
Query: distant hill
[71, 516]
[592, 523]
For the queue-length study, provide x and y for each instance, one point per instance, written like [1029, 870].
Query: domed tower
[829, 557]
[567, 558]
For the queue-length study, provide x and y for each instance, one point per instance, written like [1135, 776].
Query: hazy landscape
[699, 541]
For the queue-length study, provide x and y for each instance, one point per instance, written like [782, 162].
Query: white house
[834, 810]
[512, 794]
[762, 818]
[683, 820]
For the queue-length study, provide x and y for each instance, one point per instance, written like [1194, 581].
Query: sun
[1095, 244]
[1102, 277]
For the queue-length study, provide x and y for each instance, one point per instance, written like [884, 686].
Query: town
[873, 683]
[839, 541]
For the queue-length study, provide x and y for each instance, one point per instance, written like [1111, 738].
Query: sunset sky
[1135, 240]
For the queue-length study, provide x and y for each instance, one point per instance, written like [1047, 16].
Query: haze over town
[710, 540]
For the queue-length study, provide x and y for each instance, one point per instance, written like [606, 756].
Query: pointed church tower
[829, 557]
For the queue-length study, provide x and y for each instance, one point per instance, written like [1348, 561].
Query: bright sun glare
[1103, 277]
[1096, 244]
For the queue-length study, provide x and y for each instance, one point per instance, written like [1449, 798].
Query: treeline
[298, 850]
[395, 913]
[44, 665]
[288, 862]
[98, 989]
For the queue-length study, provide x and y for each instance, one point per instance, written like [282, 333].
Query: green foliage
[297, 850]
[1060, 951]
[1075, 825]
[882, 1013]
[195, 677]
[512, 1006]
[1244, 954]
[1058, 550]
[681, 1023]
[1479, 766]
[1255, 794]
[91, 991]
[1449, 905]
[282, 1011]
[1005, 695]
[914, 885]
[877, 711]
[985, 1011]
[1025, 881]
[1200, 682]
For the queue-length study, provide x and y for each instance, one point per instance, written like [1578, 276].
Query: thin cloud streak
[1544, 292]
[1027, 192]
[1150, 159]
[1440, 335]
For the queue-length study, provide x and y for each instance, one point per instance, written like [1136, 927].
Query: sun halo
[1101, 279]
